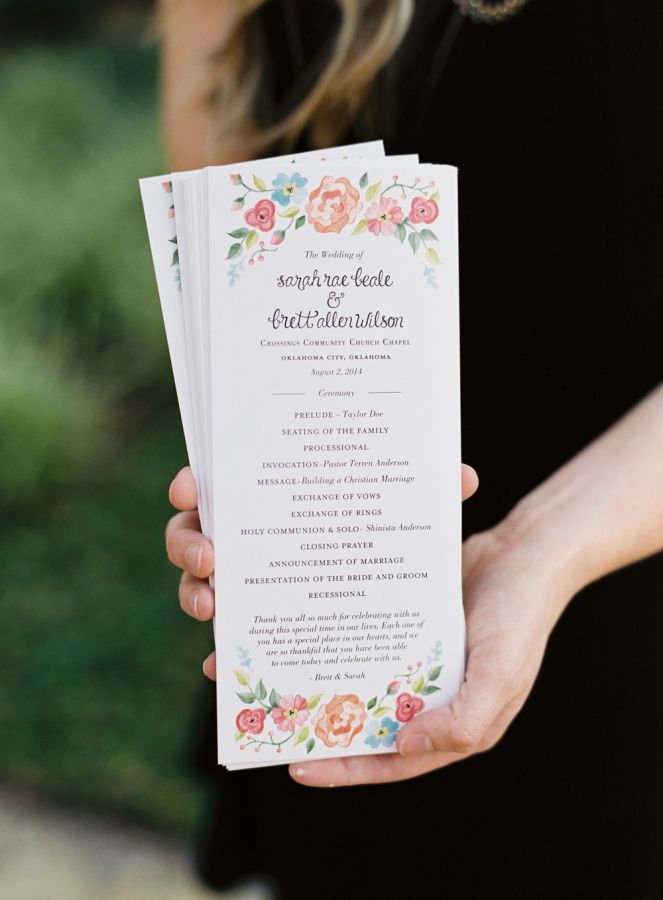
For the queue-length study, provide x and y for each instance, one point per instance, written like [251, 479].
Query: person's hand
[189, 550]
[513, 595]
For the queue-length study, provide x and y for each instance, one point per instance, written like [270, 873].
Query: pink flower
[393, 687]
[333, 205]
[338, 721]
[407, 707]
[171, 212]
[251, 720]
[292, 711]
[235, 205]
[383, 217]
[235, 179]
[261, 216]
[277, 237]
[423, 209]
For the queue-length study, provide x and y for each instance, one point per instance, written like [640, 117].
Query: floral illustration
[289, 188]
[261, 216]
[382, 732]
[333, 205]
[383, 217]
[331, 208]
[407, 706]
[340, 720]
[167, 187]
[290, 712]
[337, 721]
[252, 720]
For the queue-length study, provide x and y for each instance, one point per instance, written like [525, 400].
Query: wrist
[542, 530]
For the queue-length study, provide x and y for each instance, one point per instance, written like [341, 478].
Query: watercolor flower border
[335, 721]
[331, 208]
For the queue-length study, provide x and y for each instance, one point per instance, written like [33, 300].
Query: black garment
[554, 120]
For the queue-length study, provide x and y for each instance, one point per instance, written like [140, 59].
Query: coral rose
[338, 721]
[423, 209]
[407, 707]
[251, 720]
[261, 216]
[333, 204]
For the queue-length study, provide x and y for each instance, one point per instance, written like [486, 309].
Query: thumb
[463, 725]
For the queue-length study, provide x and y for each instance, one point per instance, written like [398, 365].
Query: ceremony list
[323, 403]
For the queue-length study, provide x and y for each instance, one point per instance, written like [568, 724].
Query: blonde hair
[369, 33]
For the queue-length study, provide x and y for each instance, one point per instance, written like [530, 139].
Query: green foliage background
[100, 676]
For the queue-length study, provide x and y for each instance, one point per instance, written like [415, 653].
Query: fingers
[209, 667]
[182, 492]
[196, 598]
[186, 546]
[469, 481]
[379, 769]
[466, 724]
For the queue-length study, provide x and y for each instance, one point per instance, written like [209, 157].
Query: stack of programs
[311, 311]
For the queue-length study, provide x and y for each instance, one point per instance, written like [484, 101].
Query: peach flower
[337, 722]
[333, 205]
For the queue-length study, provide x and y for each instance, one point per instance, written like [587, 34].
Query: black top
[554, 120]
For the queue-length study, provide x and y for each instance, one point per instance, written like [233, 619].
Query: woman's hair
[367, 36]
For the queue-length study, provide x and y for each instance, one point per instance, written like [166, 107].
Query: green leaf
[372, 191]
[241, 676]
[239, 735]
[434, 674]
[381, 710]
[400, 232]
[371, 703]
[260, 690]
[363, 181]
[235, 250]
[418, 685]
[414, 240]
[310, 745]
[274, 699]
[239, 201]
[429, 689]
[435, 196]
[176, 258]
[173, 240]
[247, 697]
[290, 213]
[259, 183]
[300, 221]
[314, 700]
[251, 239]
[432, 256]
[301, 736]
[427, 235]
[360, 227]
[238, 233]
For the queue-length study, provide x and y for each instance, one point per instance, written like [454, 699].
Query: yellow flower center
[380, 733]
[290, 712]
[290, 189]
[384, 216]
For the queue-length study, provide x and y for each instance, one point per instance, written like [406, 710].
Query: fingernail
[297, 771]
[415, 744]
[194, 602]
[193, 557]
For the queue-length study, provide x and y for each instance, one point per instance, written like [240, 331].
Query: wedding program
[311, 311]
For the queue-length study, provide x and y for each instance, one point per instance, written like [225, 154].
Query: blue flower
[383, 732]
[289, 187]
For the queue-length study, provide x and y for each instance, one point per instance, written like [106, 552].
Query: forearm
[604, 508]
